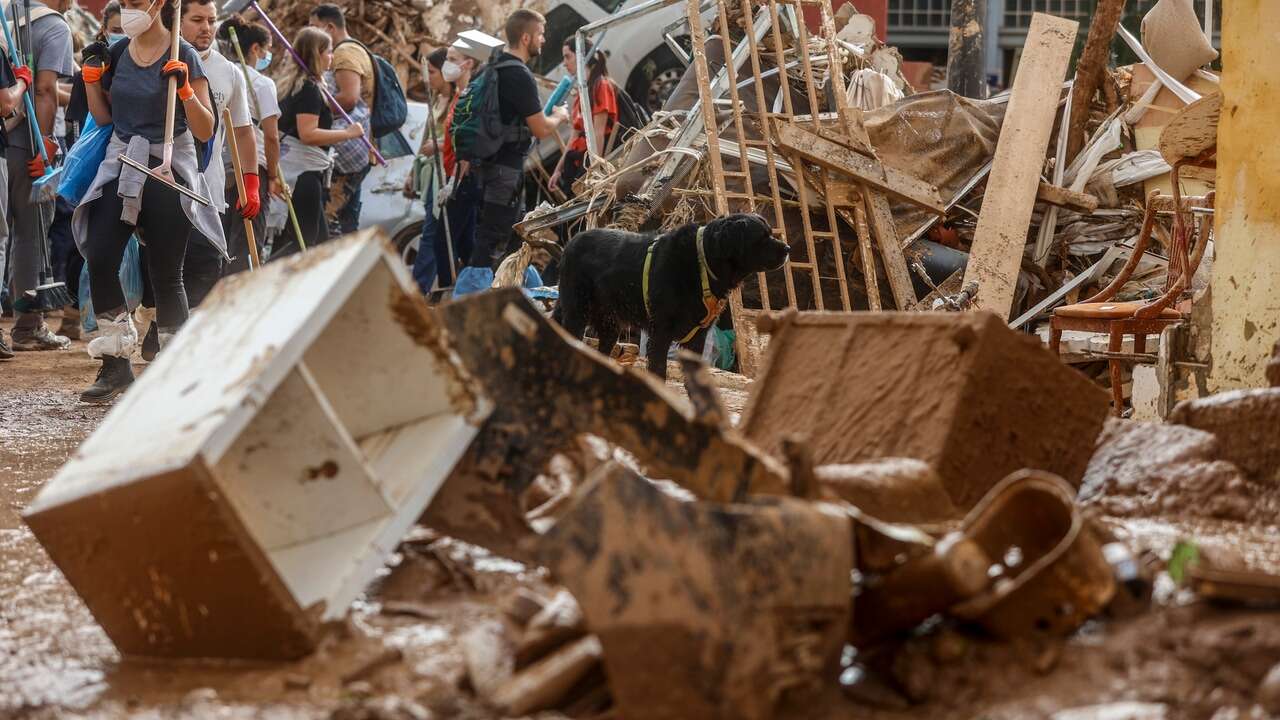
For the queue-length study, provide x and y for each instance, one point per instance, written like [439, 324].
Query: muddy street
[401, 649]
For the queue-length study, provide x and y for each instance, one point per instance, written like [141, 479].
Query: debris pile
[892, 198]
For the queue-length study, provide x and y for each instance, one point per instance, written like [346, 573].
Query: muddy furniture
[259, 473]
[959, 391]
[1189, 143]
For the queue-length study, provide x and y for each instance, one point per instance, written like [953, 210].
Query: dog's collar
[713, 304]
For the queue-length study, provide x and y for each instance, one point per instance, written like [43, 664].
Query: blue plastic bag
[83, 160]
[130, 282]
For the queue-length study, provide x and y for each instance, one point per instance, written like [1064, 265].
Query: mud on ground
[398, 650]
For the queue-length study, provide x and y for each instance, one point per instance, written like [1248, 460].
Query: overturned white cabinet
[257, 475]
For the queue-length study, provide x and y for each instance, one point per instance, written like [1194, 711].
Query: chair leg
[1055, 339]
[1114, 344]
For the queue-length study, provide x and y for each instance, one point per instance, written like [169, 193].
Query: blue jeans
[461, 212]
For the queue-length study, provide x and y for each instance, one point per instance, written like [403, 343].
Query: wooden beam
[1090, 69]
[838, 157]
[1001, 236]
[1064, 198]
[895, 262]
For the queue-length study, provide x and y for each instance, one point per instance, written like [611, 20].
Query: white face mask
[136, 22]
[451, 71]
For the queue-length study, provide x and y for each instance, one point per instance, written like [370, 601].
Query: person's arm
[309, 132]
[247, 144]
[46, 99]
[271, 148]
[555, 174]
[11, 97]
[199, 116]
[348, 88]
[544, 126]
[529, 106]
[599, 122]
[99, 103]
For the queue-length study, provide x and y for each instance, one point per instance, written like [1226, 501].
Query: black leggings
[163, 226]
[308, 202]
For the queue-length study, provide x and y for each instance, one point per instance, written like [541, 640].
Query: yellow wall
[1246, 275]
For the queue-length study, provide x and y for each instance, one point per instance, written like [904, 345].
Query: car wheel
[655, 78]
[406, 243]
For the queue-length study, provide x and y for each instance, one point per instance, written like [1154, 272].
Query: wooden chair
[1189, 142]
[1100, 313]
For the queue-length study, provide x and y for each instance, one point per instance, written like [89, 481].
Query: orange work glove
[179, 70]
[92, 74]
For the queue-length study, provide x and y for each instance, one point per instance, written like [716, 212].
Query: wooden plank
[1001, 235]
[895, 262]
[1065, 198]
[868, 258]
[838, 157]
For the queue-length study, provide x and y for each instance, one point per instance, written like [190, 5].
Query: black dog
[603, 272]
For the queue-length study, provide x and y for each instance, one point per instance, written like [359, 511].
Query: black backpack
[478, 130]
[390, 108]
[631, 116]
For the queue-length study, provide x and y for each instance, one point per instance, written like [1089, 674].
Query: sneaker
[38, 339]
[151, 343]
[6, 353]
[115, 375]
[70, 327]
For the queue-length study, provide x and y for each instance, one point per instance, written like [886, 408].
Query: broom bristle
[45, 298]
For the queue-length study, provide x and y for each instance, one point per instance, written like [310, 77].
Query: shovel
[251, 240]
[164, 171]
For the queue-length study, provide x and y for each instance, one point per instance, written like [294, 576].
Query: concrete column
[1246, 273]
[966, 66]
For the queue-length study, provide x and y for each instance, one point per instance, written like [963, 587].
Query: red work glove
[250, 209]
[36, 166]
[178, 69]
[23, 73]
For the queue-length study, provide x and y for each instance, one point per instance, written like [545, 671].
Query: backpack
[632, 117]
[478, 130]
[390, 108]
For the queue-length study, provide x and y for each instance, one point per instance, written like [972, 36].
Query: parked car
[385, 205]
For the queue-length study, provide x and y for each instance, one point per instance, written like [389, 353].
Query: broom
[48, 294]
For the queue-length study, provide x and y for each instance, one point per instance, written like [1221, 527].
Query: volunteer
[131, 92]
[306, 127]
[451, 199]
[604, 117]
[264, 108]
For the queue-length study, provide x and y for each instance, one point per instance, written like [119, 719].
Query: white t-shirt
[226, 85]
[268, 105]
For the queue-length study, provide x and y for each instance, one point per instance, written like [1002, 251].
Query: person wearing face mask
[449, 72]
[50, 44]
[127, 86]
[264, 108]
[227, 88]
[501, 177]
[306, 128]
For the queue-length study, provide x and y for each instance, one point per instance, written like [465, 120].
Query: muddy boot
[151, 343]
[38, 339]
[114, 346]
[70, 327]
[113, 377]
[6, 353]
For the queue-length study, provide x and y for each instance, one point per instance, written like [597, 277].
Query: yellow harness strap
[713, 304]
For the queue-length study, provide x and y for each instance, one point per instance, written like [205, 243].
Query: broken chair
[1192, 228]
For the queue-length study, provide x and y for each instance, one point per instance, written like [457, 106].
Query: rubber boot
[115, 375]
[117, 338]
[70, 327]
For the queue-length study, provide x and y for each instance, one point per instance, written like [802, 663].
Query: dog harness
[713, 304]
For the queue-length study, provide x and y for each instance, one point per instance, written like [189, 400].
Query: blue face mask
[113, 38]
[263, 63]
